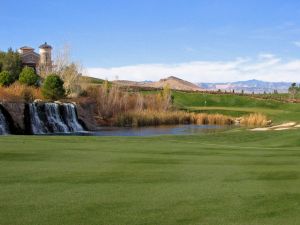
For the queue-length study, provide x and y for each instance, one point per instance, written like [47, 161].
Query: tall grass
[255, 120]
[19, 93]
[118, 107]
[111, 101]
[156, 118]
[215, 119]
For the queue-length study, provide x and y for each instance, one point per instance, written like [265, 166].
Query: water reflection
[155, 131]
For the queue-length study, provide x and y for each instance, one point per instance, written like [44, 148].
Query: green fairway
[235, 105]
[234, 177]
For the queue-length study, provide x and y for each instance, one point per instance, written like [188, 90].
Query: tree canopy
[10, 61]
[53, 87]
[6, 78]
[28, 76]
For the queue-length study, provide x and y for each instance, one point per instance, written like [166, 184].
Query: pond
[156, 131]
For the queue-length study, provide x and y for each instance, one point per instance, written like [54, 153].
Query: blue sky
[140, 37]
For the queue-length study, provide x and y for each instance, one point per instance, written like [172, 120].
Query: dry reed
[156, 118]
[116, 107]
[112, 101]
[19, 93]
[254, 120]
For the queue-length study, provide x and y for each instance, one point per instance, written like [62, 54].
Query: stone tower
[45, 63]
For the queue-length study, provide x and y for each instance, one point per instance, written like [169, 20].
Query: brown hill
[173, 82]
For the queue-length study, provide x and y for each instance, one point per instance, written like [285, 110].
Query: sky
[196, 40]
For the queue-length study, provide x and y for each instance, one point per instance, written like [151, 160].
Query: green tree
[28, 76]
[6, 78]
[2, 56]
[12, 63]
[53, 87]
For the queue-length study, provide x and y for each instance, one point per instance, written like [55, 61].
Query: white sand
[290, 124]
[284, 126]
[261, 129]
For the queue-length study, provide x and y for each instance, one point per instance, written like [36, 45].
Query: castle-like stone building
[41, 62]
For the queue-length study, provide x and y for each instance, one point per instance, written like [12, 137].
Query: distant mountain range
[248, 86]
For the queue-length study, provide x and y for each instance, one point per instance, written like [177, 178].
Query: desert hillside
[173, 82]
[176, 84]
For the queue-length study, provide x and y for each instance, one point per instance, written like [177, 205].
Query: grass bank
[235, 105]
[233, 177]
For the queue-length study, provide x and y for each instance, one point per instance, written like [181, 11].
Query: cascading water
[37, 125]
[71, 118]
[54, 118]
[4, 127]
[48, 118]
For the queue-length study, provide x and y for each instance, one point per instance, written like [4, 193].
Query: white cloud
[297, 43]
[266, 67]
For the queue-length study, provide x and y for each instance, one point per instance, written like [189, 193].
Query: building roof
[26, 48]
[30, 53]
[45, 45]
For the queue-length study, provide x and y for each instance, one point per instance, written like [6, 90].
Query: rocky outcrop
[15, 113]
[86, 114]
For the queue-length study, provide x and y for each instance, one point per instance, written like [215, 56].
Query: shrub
[6, 78]
[53, 87]
[20, 93]
[28, 76]
[11, 61]
[254, 120]
[27, 94]
[156, 118]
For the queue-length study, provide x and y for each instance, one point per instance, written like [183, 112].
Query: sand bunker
[284, 126]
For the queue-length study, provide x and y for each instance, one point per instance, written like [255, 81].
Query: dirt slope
[173, 82]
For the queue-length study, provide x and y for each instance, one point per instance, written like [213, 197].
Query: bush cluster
[53, 87]
[5, 78]
[28, 77]
[11, 70]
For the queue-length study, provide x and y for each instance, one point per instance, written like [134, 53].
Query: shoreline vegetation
[114, 106]
[148, 118]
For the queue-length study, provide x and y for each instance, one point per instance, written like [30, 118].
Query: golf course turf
[232, 177]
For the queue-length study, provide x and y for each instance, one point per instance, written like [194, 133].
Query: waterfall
[48, 118]
[71, 118]
[4, 127]
[37, 125]
[54, 118]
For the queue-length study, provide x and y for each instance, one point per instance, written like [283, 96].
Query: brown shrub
[156, 118]
[112, 101]
[254, 120]
[19, 93]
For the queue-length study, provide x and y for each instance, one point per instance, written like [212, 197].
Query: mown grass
[233, 177]
[235, 105]
[236, 177]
